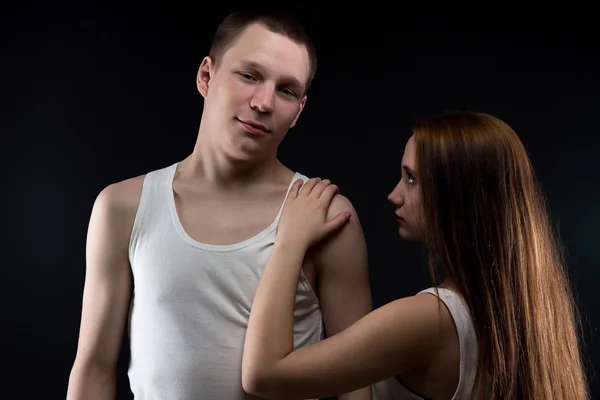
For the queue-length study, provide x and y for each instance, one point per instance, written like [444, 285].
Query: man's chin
[248, 153]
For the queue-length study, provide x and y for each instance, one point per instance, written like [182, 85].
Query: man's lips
[254, 127]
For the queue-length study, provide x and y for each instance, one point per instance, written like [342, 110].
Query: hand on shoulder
[304, 219]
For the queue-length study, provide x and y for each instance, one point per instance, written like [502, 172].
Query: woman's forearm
[269, 337]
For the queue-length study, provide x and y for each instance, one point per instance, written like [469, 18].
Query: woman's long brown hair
[488, 230]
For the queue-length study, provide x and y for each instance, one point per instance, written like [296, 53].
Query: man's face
[255, 94]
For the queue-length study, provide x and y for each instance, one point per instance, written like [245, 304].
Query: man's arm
[343, 278]
[106, 295]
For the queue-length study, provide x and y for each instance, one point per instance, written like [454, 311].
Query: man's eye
[247, 76]
[288, 92]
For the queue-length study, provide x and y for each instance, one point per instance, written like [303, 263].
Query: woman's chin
[408, 234]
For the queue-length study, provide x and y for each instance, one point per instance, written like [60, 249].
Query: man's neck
[218, 169]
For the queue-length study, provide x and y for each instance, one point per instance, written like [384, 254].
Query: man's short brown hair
[277, 22]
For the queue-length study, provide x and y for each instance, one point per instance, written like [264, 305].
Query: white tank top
[391, 389]
[191, 302]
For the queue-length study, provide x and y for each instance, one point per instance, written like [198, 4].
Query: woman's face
[406, 196]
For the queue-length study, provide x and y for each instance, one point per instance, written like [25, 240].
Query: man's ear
[302, 103]
[205, 74]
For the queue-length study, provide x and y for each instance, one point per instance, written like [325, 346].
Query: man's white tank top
[191, 302]
[391, 389]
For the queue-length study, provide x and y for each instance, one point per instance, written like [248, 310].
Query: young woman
[500, 321]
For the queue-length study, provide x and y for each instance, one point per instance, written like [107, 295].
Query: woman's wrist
[290, 247]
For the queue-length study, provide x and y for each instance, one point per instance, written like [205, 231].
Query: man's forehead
[273, 51]
[259, 34]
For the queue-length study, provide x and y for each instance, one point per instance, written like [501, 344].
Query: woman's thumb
[337, 222]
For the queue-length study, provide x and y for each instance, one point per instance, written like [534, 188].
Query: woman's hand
[303, 220]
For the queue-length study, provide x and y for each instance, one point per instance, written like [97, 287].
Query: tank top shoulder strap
[466, 336]
[154, 198]
[296, 176]
[454, 303]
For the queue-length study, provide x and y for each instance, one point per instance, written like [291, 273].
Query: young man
[176, 254]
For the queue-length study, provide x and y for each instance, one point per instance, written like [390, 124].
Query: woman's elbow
[267, 380]
[255, 380]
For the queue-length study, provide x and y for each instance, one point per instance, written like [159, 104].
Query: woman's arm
[384, 343]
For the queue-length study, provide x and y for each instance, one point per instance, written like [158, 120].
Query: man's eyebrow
[288, 79]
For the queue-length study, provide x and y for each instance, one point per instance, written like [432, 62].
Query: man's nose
[264, 99]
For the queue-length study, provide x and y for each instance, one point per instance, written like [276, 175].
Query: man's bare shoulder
[345, 247]
[121, 199]
[341, 203]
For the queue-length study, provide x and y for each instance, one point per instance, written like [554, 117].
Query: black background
[93, 95]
